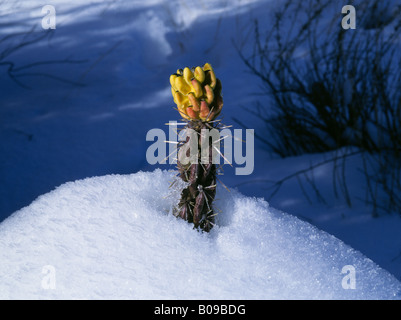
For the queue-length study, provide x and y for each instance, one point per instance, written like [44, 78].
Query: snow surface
[113, 237]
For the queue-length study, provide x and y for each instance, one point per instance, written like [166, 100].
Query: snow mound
[112, 237]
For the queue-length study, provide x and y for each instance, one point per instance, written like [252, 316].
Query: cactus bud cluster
[197, 93]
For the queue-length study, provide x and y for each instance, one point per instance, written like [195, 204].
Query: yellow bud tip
[197, 88]
[194, 102]
[207, 66]
[188, 75]
[199, 74]
[204, 110]
[172, 80]
[209, 94]
[181, 85]
[192, 114]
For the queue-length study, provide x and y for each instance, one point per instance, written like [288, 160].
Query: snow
[120, 54]
[113, 237]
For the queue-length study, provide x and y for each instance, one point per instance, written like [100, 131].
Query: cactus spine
[197, 93]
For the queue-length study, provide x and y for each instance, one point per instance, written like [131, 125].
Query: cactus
[197, 93]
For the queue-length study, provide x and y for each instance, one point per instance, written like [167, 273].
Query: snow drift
[112, 237]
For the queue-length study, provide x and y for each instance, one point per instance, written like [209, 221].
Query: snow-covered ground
[88, 114]
[113, 237]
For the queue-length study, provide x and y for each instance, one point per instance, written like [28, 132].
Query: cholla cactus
[197, 93]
